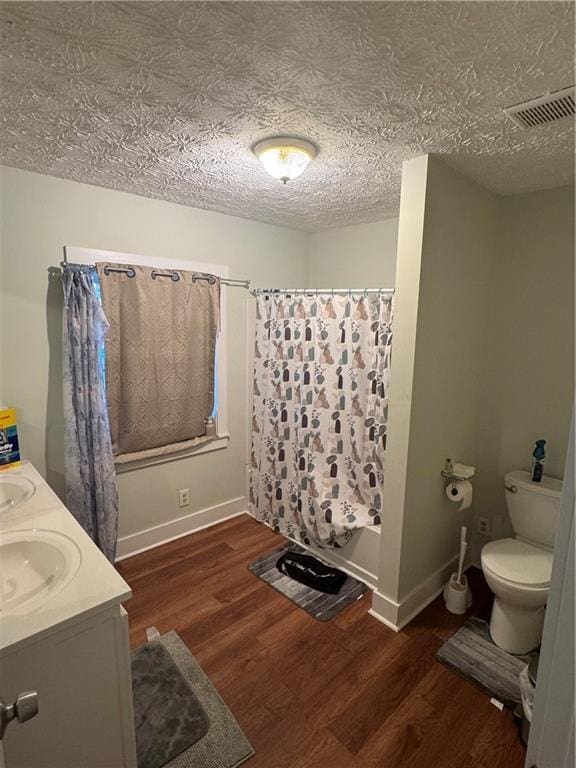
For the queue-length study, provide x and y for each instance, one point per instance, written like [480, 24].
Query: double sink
[35, 564]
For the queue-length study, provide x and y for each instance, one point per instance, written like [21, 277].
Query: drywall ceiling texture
[165, 99]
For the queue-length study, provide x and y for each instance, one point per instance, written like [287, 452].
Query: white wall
[483, 364]
[529, 380]
[359, 256]
[483, 356]
[410, 237]
[446, 248]
[458, 254]
[40, 215]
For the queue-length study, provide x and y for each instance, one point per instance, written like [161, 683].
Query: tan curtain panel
[160, 356]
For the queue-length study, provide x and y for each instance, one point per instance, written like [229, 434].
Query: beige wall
[40, 215]
[529, 380]
[359, 256]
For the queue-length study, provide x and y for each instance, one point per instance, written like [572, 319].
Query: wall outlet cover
[184, 497]
[483, 526]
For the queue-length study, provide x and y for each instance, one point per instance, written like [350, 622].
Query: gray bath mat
[223, 743]
[168, 717]
[318, 604]
[471, 652]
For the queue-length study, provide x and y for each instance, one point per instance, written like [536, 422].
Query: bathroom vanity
[64, 647]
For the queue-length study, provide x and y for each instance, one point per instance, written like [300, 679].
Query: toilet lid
[519, 562]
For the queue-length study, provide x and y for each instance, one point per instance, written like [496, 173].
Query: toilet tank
[533, 507]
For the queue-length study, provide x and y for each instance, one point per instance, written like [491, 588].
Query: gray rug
[472, 654]
[167, 715]
[318, 604]
[222, 743]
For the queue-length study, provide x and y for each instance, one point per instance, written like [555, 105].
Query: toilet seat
[518, 562]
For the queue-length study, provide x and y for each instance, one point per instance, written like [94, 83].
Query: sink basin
[34, 566]
[14, 491]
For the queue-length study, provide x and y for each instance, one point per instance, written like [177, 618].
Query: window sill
[217, 444]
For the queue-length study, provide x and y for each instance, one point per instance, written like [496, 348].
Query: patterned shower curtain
[320, 409]
[91, 493]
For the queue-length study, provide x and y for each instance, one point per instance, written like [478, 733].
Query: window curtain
[91, 492]
[320, 411]
[160, 357]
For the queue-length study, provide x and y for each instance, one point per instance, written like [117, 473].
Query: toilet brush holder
[457, 595]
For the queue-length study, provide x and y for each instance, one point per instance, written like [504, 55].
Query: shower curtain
[91, 492]
[319, 417]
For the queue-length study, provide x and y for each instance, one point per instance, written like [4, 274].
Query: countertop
[95, 586]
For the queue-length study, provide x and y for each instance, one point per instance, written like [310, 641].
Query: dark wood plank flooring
[346, 694]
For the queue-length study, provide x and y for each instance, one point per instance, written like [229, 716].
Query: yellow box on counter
[9, 446]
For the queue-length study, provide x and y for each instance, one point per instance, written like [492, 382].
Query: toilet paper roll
[460, 491]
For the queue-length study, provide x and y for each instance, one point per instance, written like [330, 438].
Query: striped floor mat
[471, 652]
[318, 604]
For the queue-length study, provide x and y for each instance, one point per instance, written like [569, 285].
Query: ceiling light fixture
[284, 157]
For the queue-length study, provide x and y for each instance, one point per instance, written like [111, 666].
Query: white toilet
[518, 570]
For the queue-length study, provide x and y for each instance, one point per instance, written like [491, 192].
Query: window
[219, 413]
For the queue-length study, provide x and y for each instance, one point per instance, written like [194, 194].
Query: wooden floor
[349, 693]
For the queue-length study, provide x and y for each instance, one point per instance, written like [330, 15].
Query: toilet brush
[463, 547]
[457, 593]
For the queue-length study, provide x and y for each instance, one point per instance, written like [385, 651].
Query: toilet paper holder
[450, 471]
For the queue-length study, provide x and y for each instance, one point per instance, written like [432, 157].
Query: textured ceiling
[164, 99]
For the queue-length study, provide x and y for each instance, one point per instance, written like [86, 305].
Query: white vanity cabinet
[82, 676]
[64, 635]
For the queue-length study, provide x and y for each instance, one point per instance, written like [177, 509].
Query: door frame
[551, 742]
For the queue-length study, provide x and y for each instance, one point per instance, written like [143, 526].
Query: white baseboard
[379, 614]
[396, 615]
[385, 610]
[176, 529]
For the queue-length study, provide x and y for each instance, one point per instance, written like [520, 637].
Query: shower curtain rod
[171, 273]
[318, 291]
[237, 283]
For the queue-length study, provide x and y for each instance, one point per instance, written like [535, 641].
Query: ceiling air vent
[545, 109]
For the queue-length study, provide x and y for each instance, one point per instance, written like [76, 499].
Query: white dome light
[284, 157]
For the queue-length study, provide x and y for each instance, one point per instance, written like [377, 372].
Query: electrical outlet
[184, 497]
[483, 526]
